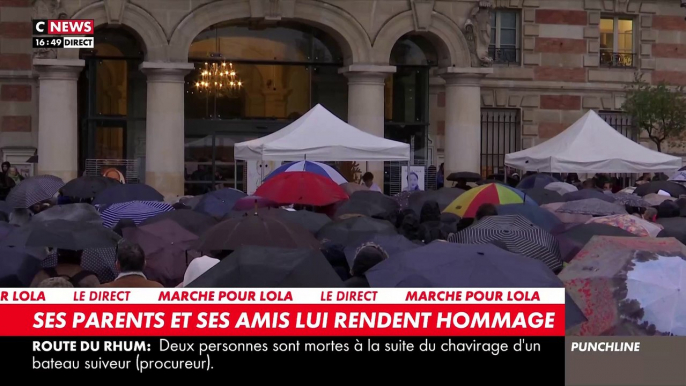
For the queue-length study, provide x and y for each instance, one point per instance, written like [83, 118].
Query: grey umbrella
[591, 207]
[71, 212]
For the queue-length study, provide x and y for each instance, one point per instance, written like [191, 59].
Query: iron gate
[500, 135]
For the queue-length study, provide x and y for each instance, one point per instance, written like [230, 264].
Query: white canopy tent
[321, 136]
[590, 145]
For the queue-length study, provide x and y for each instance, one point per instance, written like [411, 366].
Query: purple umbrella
[165, 244]
[252, 202]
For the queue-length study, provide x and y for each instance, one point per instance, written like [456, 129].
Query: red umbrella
[304, 188]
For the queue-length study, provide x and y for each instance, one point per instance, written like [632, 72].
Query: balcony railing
[617, 59]
[506, 55]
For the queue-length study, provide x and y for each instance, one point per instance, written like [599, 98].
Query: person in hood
[430, 212]
[367, 256]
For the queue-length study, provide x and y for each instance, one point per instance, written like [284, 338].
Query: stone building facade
[504, 74]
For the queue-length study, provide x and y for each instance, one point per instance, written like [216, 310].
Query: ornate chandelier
[218, 77]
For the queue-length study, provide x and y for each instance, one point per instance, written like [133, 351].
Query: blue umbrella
[392, 244]
[538, 180]
[219, 203]
[312, 167]
[540, 217]
[449, 265]
[137, 211]
[116, 194]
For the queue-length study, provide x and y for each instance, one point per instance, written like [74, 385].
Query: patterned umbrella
[100, 261]
[629, 223]
[567, 218]
[518, 234]
[679, 176]
[34, 190]
[538, 180]
[469, 202]
[629, 286]
[591, 207]
[137, 211]
[631, 200]
[116, 194]
[322, 169]
[561, 187]
[403, 199]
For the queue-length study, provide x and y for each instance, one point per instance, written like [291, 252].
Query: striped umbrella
[137, 211]
[309, 166]
[34, 190]
[518, 234]
[469, 202]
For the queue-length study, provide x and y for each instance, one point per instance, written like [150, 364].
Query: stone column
[58, 117]
[164, 144]
[366, 106]
[463, 118]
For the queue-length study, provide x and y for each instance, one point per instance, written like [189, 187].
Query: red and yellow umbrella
[469, 202]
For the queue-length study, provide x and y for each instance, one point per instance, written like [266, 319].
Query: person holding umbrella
[68, 267]
[130, 264]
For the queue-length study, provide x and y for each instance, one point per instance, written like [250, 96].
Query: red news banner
[282, 312]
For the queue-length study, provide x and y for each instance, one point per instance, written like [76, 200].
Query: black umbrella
[361, 207]
[379, 199]
[544, 196]
[121, 193]
[519, 235]
[194, 222]
[538, 180]
[573, 237]
[100, 261]
[466, 176]
[443, 197]
[311, 221]
[448, 265]
[264, 267]
[61, 234]
[71, 212]
[673, 227]
[5, 208]
[266, 231]
[674, 189]
[87, 186]
[584, 194]
[19, 266]
[542, 218]
[34, 190]
[353, 229]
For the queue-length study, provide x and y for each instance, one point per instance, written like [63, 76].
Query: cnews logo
[63, 27]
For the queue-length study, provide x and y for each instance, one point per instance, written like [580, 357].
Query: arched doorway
[112, 104]
[279, 71]
[406, 103]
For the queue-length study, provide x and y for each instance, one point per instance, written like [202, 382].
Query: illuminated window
[616, 42]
